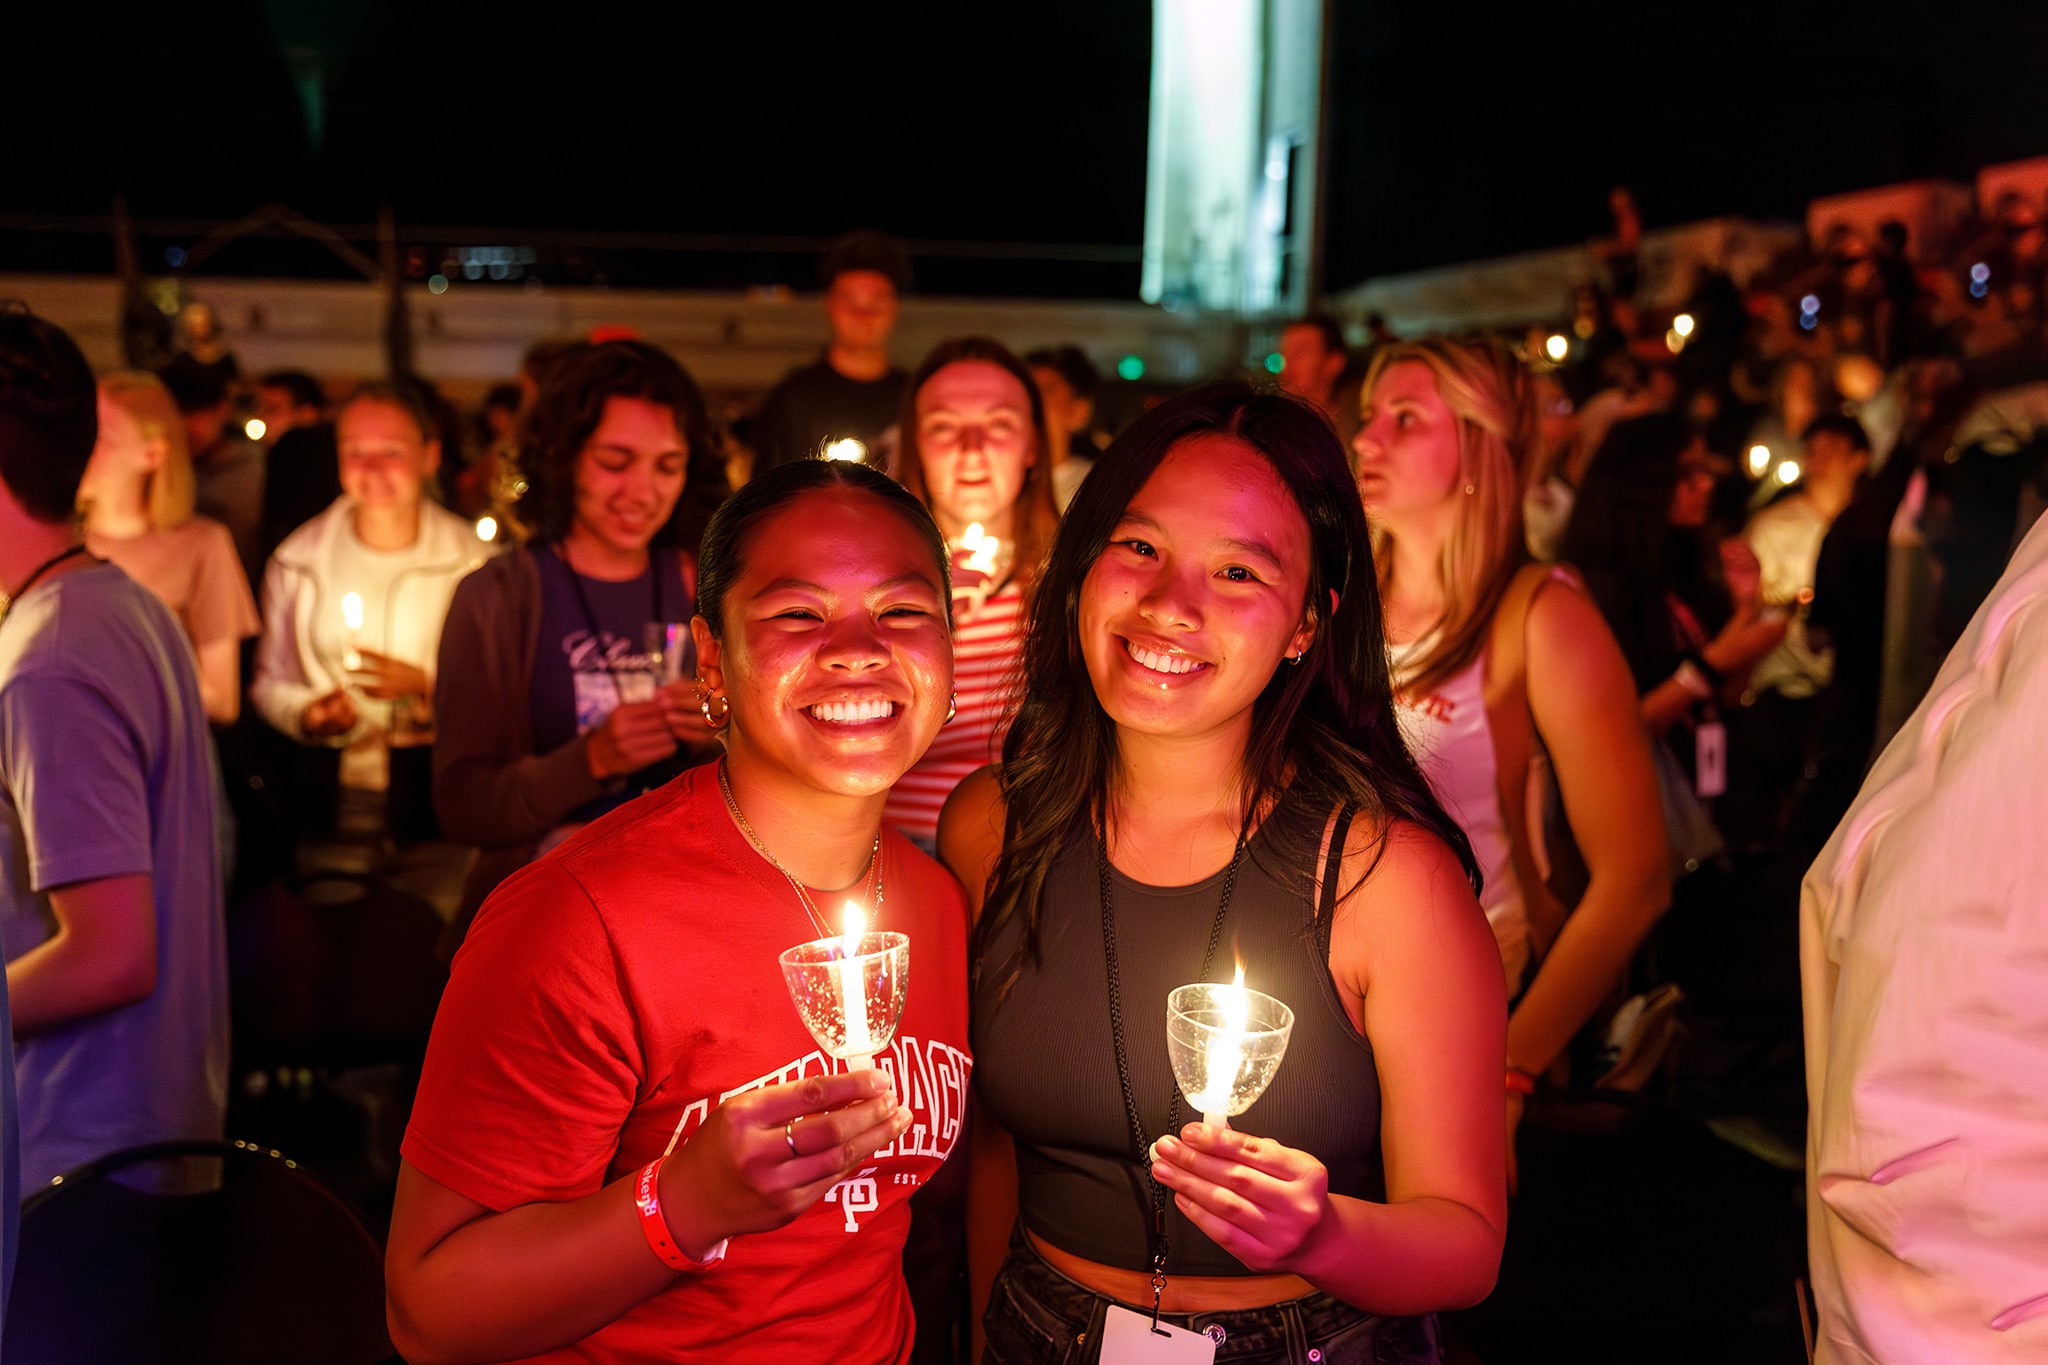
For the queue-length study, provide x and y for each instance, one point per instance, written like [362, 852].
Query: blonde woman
[1494, 657]
[137, 499]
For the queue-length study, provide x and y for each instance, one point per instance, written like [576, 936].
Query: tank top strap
[1333, 863]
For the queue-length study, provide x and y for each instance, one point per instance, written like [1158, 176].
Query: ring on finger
[789, 1136]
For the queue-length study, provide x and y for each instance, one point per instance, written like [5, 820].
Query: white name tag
[1130, 1339]
[1710, 759]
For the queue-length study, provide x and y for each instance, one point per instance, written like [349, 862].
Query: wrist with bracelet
[654, 1224]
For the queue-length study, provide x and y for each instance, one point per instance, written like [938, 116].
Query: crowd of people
[1456, 686]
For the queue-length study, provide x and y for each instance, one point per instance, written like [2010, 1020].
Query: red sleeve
[535, 1060]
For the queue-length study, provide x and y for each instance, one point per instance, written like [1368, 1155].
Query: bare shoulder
[1562, 614]
[971, 832]
[1405, 896]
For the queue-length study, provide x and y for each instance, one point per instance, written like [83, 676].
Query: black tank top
[1045, 1065]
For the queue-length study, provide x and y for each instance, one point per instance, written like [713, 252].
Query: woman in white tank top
[1495, 660]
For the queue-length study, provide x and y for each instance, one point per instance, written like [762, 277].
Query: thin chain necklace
[874, 873]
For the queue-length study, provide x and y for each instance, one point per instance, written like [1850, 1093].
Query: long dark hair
[574, 388]
[1621, 540]
[1323, 731]
[1037, 515]
[730, 534]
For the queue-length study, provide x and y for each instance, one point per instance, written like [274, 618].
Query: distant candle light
[1759, 460]
[1556, 347]
[1788, 471]
[846, 450]
[254, 428]
[486, 528]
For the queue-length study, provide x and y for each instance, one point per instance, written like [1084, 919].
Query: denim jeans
[1037, 1316]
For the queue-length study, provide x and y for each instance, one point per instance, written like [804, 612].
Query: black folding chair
[268, 1266]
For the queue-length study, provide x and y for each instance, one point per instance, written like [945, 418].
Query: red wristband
[1520, 1082]
[647, 1198]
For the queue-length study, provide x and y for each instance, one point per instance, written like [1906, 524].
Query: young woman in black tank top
[1205, 713]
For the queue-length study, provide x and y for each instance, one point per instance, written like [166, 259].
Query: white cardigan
[299, 660]
[1924, 957]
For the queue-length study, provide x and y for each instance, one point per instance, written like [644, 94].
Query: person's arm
[1583, 699]
[1412, 954]
[220, 615]
[507, 1239]
[488, 790]
[220, 679]
[465, 1283]
[101, 956]
[281, 691]
[83, 800]
[970, 838]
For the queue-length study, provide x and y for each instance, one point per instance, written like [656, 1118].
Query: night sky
[1451, 137]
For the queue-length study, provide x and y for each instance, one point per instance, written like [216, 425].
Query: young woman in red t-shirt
[625, 1145]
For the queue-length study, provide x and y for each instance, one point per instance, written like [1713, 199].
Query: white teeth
[1163, 663]
[853, 712]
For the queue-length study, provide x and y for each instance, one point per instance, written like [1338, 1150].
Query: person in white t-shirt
[353, 601]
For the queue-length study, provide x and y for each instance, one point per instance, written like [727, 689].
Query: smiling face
[835, 651]
[384, 458]
[628, 476]
[1199, 594]
[1408, 457]
[976, 444]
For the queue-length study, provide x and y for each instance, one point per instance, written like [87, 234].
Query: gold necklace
[874, 874]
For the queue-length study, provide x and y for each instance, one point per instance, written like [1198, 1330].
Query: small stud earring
[1470, 489]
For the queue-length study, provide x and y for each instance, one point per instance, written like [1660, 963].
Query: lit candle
[847, 450]
[853, 992]
[981, 548]
[352, 617]
[1226, 1051]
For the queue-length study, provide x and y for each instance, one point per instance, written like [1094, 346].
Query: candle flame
[855, 925]
[847, 450]
[1237, 1006]
[981, 547]
[352, 610]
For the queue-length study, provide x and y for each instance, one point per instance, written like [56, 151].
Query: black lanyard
[36, 575]
[1116, 1028]
[590, 617]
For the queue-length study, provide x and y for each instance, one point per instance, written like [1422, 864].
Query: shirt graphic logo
[856, 1195]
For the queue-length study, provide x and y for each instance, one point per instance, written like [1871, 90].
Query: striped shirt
[985, 650]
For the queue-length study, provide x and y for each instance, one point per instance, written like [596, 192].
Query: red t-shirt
[611, 994]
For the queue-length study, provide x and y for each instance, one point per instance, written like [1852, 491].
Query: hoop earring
[952, 709]
[1470, 489]
[1296, 658]
[716, 722]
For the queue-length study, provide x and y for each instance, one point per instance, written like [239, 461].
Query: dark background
[1011, 138]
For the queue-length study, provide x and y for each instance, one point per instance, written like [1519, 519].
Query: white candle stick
[1226, 1051]
[853, 991]
[352, 617]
